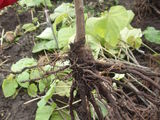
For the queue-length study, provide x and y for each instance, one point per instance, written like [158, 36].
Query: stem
[48, 20]
[80, 26]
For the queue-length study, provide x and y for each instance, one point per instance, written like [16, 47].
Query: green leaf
[46, 34]
[119, 76]
[117, 19]
[64, 8]
[44, 45]
[107, 28]
[44, 112]
[57, 116]
[132, 37]
[47, 68]
[63, 88]
[9, 86]
[103, 108]
[30, 3]
[29, 27]
[96, 26]
[32, 90]
[64, 35]
[94, 45]
[48, 95]
[152, 35]
[25, 62]
[134, 42]
[41, 86]
[34, 74]
[59, 19]
[22, 77]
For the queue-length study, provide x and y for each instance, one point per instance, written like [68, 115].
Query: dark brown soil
[9, 19]
[14, 109]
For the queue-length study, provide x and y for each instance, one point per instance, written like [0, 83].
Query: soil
[14, 109]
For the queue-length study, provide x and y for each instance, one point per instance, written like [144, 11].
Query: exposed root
[142, 8]
[128, 101]
[145, 8]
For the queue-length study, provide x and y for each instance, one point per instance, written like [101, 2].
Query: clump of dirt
[10, 19]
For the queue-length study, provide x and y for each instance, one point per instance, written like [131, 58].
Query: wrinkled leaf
[9, 86]
[152, 35]
[63, 88]
[32, 90]
[44, 45]
[47, 68]
[25, 62]
[22, 77]
[29, 27]
[41, 86]
[35, 74]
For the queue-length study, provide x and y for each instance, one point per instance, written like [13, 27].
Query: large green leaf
[64, 35]
[44, 45]
[152, 35]
[107, 27]
[25, 62]
[96, 26]
[117, 19]
[44, 112]
[9, 86]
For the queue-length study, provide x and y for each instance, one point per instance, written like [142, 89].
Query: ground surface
[14, 109]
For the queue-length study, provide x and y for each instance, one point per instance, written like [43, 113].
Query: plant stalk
[80, 24]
